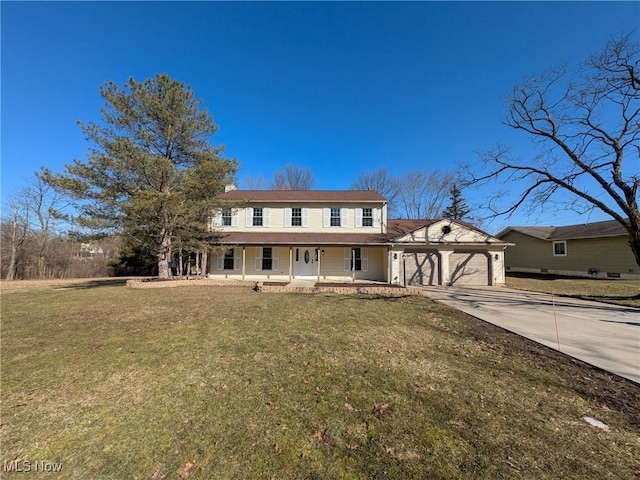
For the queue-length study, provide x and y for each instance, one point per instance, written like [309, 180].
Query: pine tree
[151, 172]
[458, 209]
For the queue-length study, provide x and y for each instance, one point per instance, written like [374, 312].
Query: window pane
[335, 217]
[257, 217]
[367, 217]
[267, 261]
[357, 259]
[226, 217]
[296, 217]
[228, 260]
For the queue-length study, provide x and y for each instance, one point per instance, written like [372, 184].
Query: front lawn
[208, 382]
[619, 292]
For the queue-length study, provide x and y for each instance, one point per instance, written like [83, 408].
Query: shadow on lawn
[103, 282]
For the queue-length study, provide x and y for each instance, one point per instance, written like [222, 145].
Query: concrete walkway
[607, 336]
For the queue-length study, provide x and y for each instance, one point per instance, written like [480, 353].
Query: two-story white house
[345, 236]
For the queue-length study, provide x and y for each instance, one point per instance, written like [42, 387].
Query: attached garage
[422, 268]
[470, 268]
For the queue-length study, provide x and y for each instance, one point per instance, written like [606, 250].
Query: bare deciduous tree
[423, 194]
[586, 123]
[293, 178]
[36, 210]
[256, 183]
[382, 182]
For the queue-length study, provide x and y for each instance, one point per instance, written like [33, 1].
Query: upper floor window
[227, 217]
[367, 217]
[335, 217]
[559, 249]
[296, 217]
[258, 218]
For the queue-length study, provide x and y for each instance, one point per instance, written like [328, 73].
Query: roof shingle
[303, 195]
[609, 228]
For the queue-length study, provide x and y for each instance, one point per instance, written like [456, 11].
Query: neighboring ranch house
[345, 236]
[599, 250]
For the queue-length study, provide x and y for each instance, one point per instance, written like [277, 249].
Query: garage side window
[559, 249]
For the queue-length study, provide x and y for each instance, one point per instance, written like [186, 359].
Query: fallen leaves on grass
[157, 475]
[323, 437]
[186, 470]
[350, 407]
[379, 408]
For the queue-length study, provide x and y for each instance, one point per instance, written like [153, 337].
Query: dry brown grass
[212, 382]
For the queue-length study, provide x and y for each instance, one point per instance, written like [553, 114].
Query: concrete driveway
[607, 336]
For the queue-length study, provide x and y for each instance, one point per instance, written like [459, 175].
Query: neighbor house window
[335, 217]
[296, 217]
[559, 249]
[229, 259]
[227, 217]
[267, 258]
[367, 217]
[257, 217]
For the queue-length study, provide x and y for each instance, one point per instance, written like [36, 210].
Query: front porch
[288, 263]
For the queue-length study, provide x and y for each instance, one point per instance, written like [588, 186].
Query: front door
[306, 262]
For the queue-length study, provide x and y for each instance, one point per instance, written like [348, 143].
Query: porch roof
[298, 238]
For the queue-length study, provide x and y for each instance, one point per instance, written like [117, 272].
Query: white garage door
[422, 268]
[469, 269]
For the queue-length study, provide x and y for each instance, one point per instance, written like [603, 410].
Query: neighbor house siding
[528, 252]
[607, 254]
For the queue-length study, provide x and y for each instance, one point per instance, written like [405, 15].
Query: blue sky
[338, 87]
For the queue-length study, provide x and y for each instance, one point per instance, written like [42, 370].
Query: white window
[229, 260]
[296, 217]
[267, 258]
[257, 216]
[356, 259]
[367, 217]
[559, 249]
[226, 217]
[334, 217]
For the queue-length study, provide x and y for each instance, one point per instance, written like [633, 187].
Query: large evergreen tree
[151, 172]
[457, 209]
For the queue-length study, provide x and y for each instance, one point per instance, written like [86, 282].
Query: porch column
[290, 263]
[244, 258]
[445, 262]
[353, 265]
[319, 251]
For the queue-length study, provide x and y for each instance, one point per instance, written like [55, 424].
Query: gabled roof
[307, 196]
[609, 228]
